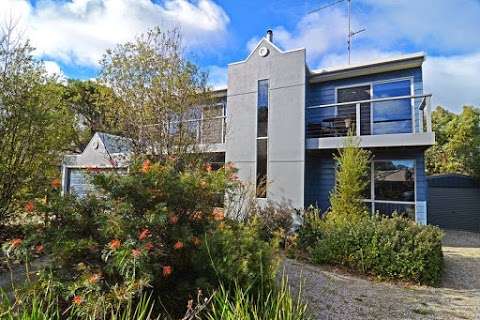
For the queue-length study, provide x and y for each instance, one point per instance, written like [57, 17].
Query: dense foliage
[35, 124]
[457, 148]
[351, 179]
[156, 229]
[394, 248]
[348, 235]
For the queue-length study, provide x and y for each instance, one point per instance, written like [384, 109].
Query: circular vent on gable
[263, 52]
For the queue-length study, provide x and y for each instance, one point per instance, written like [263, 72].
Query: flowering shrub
[160, 228]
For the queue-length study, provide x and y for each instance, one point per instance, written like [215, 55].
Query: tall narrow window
[262, 138]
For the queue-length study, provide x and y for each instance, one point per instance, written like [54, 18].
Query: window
[394, 180]
[393, 116]
[352, 94]
[391, 187]
[262, 138]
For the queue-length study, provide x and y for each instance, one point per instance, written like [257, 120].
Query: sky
[70, 36]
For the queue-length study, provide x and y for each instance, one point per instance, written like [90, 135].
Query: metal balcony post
[357, 119]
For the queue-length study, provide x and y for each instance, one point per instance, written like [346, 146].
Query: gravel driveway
[333, 294]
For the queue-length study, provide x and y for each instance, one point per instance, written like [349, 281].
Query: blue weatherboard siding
[319, 179]
[324, 92]
[320, 173]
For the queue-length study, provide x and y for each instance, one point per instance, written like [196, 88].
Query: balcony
[207, 128]
[382, 122]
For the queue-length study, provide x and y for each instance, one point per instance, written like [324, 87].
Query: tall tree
[158, 89]
[35, 125]
[458, 142]
[94, 106]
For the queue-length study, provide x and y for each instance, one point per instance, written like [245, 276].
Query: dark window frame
[261, 143]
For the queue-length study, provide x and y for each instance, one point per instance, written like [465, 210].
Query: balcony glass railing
[405, 114]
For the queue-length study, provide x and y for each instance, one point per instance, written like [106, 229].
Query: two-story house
[280, 122]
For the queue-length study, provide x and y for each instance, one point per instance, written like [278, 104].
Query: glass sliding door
[392, 116]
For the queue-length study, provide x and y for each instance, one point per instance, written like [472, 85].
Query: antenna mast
[350, 33]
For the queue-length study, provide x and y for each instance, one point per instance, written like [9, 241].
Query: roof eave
[405, 62]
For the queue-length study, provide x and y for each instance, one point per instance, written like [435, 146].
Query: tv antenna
[350, 33]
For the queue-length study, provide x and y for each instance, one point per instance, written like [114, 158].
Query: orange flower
[136, 252]
[149, 246]
[146, 166]
[218, 214]
[56, 183]
[173, 218]
[167, 271]
[77, 300]
[115, 244]
[29, 206]
[144, 234]
[178, 245]
[196, 241]
[196, 216]
[39, 248]
[16, 242]
[208, 167]
[94, 278]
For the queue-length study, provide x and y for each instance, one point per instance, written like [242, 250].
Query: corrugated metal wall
[454, 203]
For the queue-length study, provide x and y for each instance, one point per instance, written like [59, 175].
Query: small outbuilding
[104, 152]
[454, 202]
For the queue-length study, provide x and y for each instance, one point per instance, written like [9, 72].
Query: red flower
[94, 278]
[218, 214]
[196, 241]
[136, 252]
[15, 243]
[178, 245]
[39, 248]
[149, 246]
[196, 216]
[56, 183]
[146, 166]
[115, 244]
[173, 218]
[29, 206]
[167, 271]
[208, 167]
[144, 234]
[77, 300]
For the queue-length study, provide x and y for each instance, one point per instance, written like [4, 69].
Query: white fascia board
[385, 65]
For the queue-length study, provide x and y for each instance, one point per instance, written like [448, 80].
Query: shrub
[276, 221]
[239, 255]
[394, 248]
[351, 180]
[157, 229]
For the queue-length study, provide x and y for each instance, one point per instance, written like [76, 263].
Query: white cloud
[318, 33]
[449, 26]
[217, 76]
[79, 31]
[52, 68]
[454, 80]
